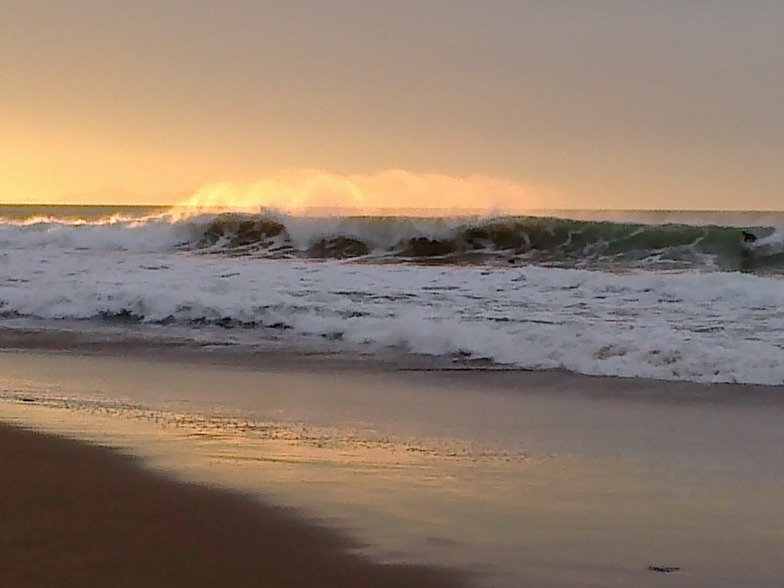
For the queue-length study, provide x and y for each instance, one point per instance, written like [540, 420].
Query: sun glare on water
[391, 192]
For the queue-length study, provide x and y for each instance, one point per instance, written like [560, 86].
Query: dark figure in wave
[746, 252]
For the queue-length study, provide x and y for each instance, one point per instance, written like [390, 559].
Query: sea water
[661, 295]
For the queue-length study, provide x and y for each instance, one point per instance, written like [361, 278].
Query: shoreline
[76, 514]
[131, 341]
[409, 365]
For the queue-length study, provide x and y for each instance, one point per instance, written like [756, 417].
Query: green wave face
[544, 240]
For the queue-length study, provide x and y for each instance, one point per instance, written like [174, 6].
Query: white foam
[714, 327]
[113, 234]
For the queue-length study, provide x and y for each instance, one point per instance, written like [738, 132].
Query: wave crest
[555, 241]
[563, 242]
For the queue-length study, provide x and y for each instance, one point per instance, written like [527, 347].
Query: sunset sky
[561, 104]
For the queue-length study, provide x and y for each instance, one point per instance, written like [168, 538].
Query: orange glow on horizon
[311, 192]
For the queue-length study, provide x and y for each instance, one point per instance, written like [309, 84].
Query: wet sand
[80, 515]
[521, 479]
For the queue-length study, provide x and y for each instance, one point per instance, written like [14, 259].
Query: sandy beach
[510, 478]
[79, 515]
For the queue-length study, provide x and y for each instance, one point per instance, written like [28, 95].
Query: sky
[507, 103]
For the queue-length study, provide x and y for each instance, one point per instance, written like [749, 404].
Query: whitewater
[672, 296]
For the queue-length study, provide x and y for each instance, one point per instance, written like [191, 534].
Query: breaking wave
[588, 243]
[545, 240]
[662, 304]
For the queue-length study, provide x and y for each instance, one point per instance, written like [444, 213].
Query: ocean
[417, 383]
[655, 295]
